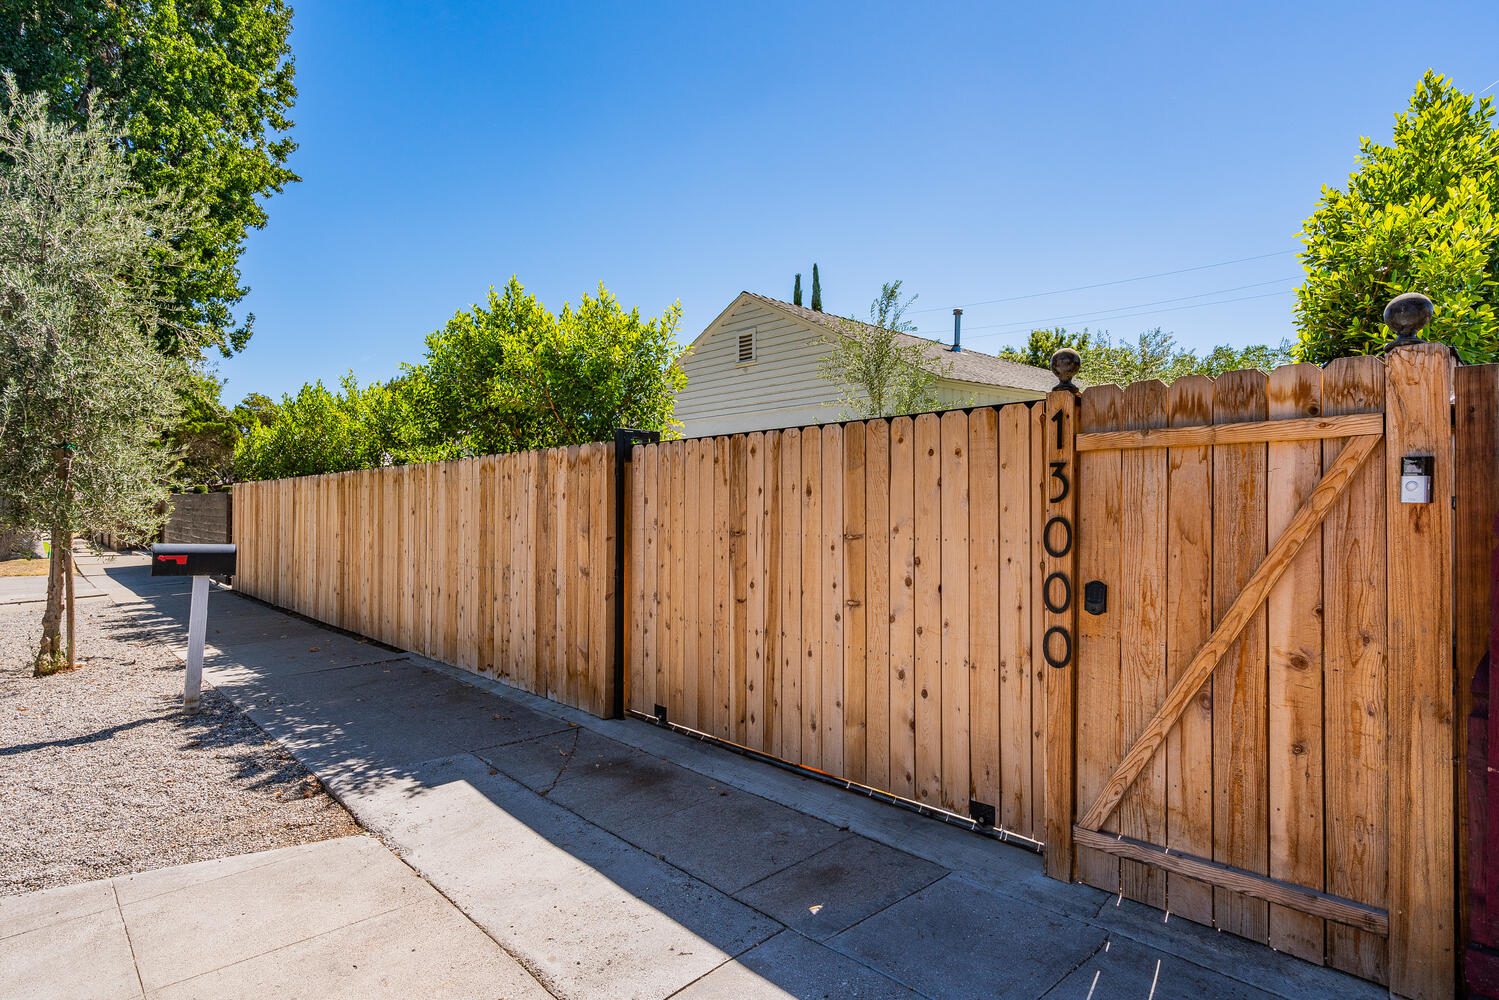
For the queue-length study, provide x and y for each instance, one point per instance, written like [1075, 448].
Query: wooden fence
[1188, 637]
[857, 599]
[502, 565]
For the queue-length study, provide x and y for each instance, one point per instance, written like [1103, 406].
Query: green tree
[796, 291]
[255, 410]
[204, 436]
[878, 367]
[816, 290]
[1040, 345]
[201, 90]
[1154, 354]
[318, 431]
[505, 376]
[1421, 214]
[85, 396]
[511, 375]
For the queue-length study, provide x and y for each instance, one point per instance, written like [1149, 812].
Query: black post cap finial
[1064, 365]
[1407, 315]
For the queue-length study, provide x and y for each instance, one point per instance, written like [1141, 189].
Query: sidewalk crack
[129, 942]
[1101, 947]
[567, 760]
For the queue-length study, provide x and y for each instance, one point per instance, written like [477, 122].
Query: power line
[1153, 312]
[1029, 324]
[1106, 284]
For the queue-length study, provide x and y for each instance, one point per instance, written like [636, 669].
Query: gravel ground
[101, 774]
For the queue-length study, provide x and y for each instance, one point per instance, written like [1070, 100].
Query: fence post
[1057, 643]
[625, 441]
[1419, 632]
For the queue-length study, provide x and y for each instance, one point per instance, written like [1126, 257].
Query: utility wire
[1106, 284]
[1153, 312]
[1030, 324]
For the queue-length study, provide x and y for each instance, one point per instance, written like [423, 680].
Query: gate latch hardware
[1095, 597]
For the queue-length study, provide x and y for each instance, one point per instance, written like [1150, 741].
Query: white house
[758, 366]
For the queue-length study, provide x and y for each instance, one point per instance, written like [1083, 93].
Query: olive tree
[85, 398]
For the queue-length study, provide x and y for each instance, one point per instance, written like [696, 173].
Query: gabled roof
[966, 365]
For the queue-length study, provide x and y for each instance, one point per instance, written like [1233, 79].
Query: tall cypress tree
[796, 292]
[816, 290]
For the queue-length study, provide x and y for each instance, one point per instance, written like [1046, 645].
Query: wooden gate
[861, 599]
[1264, 694]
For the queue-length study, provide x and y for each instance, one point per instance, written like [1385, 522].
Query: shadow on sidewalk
[607, 870]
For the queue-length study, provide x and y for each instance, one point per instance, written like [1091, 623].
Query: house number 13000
[1056, 539]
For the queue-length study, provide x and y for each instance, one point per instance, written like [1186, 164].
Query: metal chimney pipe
[957, 330]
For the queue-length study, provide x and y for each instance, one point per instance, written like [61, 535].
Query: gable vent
[747, 346]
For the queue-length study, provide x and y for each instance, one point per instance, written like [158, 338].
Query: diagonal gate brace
[1269, 571]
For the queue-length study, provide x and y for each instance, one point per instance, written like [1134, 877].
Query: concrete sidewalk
[336, 919]
[611, 858]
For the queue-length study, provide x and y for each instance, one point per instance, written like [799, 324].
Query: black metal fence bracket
[625, 441]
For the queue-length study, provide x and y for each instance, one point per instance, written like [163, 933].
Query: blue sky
[690, 151]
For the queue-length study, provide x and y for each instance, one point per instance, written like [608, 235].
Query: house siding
[783, 386]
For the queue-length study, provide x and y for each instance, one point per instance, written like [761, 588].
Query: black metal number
[1057, 551]
[1056, 539]
[1057, 661]
[1062, 606]
[1059, 473]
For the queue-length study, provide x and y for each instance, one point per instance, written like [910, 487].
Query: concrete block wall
[199, 517]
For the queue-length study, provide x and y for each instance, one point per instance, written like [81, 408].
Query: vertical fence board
[1189, 620]
[1016, 623]
[928, 654]
[855, 601]
[1046, 686]
[650, 653]
[877, 674]
[791, 595]
[811, 577]
[768, 580]
[711, 517]
[1294, 628]
[1240, 799]
[1056, 506]
[738, 583]
[1419, 382]
[1142, 632]
[986, 570]
[754, 587]
[831, 600]
[1098, 529]
[723, 595]
[954, 592]
[678, 619]
[692, 553]
[504, 607]
[902, 607]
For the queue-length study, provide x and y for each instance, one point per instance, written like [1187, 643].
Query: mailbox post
[198, 562]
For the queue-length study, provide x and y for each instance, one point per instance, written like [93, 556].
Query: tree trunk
[49, 656]
[72, 569]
